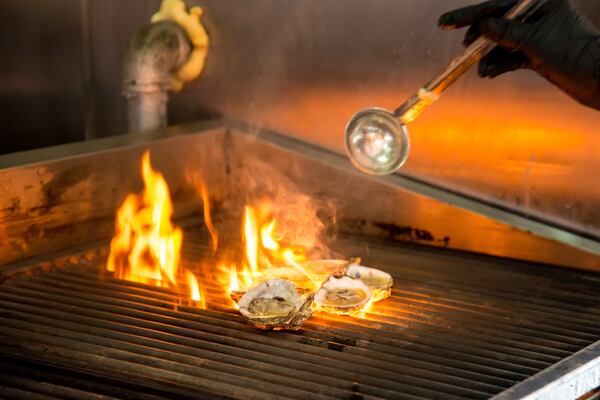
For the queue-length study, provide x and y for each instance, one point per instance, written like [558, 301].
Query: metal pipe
[154, 52]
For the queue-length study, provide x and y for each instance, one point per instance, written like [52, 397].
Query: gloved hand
[555, 41]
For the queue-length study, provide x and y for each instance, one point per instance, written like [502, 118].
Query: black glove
[555, 41]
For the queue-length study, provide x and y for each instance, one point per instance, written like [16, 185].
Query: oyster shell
[380, 282]
[343, 295]
[275, 304]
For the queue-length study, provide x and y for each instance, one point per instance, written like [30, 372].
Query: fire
[251, 239]
[195, 292]
[147, 246]
[266, 255]
[266, 235]
[277, 238]
[214, 236]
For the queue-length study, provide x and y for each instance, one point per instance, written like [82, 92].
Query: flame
[229, 277]
[234, 284]
[367, 308]
[146, 247]
[214, 236]
[266, 256]
[294, 258]
[266, 235]
[251, 239]
[194, 288]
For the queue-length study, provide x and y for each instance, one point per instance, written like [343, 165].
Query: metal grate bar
[49, 389]
[369, 374]
[59, 281]
[59, 380]
[214, 301]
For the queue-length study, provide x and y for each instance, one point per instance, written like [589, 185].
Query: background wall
[304, 67]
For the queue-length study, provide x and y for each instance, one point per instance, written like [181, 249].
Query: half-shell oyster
[275, 304]
[380, 282]
[343, 295]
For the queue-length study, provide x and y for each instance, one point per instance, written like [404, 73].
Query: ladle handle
[429, 93]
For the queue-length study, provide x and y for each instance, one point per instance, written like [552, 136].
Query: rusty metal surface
[67, 197]
[469, 334]
[71, 199]
[400, 208]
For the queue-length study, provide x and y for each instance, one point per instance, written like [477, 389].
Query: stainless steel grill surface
[457, 326]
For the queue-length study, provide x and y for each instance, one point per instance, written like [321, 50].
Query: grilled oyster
[343, 295]
[380, 282]
[275, 304]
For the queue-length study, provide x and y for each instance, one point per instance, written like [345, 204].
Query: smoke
[301, 220]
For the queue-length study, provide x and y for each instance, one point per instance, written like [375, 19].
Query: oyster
[343, 295]
[380, 282]
[275, 304]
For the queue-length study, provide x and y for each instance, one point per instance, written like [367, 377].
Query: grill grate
[456, 327]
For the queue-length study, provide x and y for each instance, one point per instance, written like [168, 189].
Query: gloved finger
[469, 15]
[500, 60]
[472, 34]
[512, 35]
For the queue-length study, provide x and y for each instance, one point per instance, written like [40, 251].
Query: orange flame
[251, 239]
[214, 236]
[265, 255]
[266, 235]
[147, 246]
[195, 292]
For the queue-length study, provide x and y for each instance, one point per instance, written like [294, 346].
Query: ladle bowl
[376, 141]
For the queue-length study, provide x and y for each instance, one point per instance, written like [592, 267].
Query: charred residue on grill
[15, 205]
[409, 233]
[391, 231]
[356, 395]
[62, 181]
[335, 346]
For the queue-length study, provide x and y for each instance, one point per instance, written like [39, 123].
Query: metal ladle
[377, 140]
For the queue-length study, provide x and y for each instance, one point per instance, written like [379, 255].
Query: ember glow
[146, 247]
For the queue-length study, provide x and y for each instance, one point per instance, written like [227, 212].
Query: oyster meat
[380, 282]
[275, 304]
[343, 295]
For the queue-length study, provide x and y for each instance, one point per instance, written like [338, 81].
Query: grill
[456, 327]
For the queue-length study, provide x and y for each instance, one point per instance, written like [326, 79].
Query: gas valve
[189, 21]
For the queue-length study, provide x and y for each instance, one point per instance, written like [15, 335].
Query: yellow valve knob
[189, 21]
